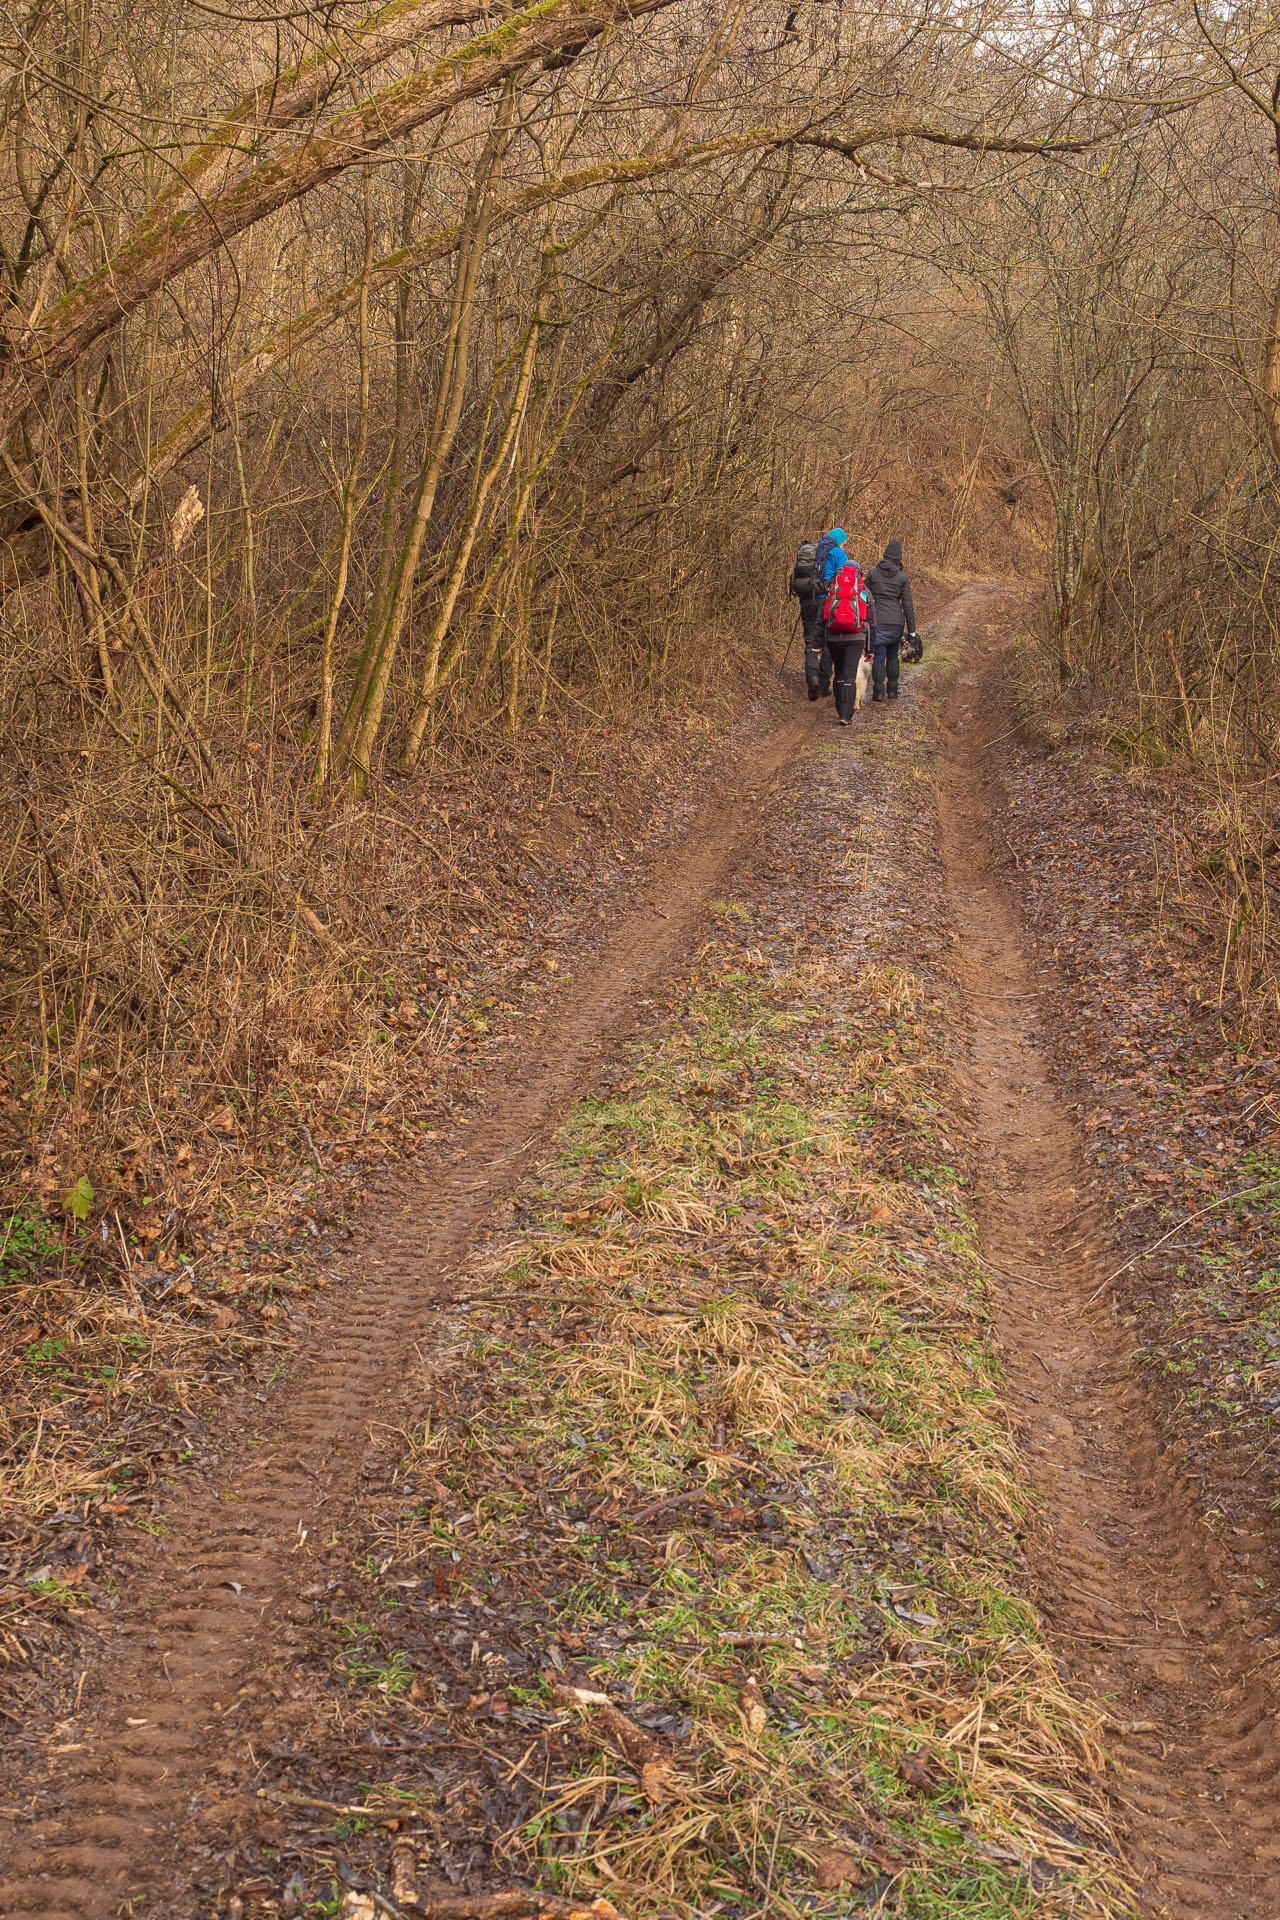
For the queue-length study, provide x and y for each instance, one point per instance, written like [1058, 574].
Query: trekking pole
[791, 640]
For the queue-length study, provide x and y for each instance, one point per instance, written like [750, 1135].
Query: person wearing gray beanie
[895, 613]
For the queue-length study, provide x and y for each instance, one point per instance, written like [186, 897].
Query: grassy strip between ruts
[720, 1466]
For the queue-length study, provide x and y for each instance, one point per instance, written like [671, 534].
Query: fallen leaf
[639, 1747]
[917, 1771]
[755, 1715]
[835, 1869]
[358, 1906]
[404, 1873]
[656, 1777]
[990, 1852]
[916, 1619]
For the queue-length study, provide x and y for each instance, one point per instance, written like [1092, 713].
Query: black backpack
[804, 574]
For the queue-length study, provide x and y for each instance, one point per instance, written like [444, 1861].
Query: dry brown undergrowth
[166, 1220]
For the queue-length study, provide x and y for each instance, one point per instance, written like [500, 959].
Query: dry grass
[196, 1084]
[726, 1402]
[1203, 774]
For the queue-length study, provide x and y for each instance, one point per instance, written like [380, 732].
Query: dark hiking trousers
[885, 663]
[845, 655]
[817, 661]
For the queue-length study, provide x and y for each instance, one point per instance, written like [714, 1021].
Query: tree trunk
[471, 527]
[350, 494]
[364, 712]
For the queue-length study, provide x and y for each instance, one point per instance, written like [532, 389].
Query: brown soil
[97, 1797]
[1150, 1614]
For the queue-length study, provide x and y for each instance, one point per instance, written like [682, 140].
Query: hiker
[847, 617]
[831, 556]
[807, 588]
[894, 613]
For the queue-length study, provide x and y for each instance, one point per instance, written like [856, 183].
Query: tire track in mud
[144, 1750]
[1148, 1614]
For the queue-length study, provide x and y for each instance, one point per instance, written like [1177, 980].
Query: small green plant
[54, 1589]
[26, 1242]
[48, 1354]
[368, 1664]
[1139, 743]
[78, 1199]
[154, 1524]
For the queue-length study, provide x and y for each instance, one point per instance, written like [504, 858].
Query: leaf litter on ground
[1174, 1087]
[695, 1584]
[134, 1301]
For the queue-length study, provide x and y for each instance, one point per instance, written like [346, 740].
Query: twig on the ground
[1223, 1200]
[519, 1903]
[1005, 1273]
[979, 993]
[315, 1151]
[367, 1809]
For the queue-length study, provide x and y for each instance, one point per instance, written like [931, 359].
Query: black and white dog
[863, 683]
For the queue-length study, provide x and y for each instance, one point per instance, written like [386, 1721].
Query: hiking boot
[815, 693]
[878, 696]
[892, 693]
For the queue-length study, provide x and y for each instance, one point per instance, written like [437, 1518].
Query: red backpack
[846, 608]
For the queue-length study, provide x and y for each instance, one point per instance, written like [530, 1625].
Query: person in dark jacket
[806, 585]
[895, 614]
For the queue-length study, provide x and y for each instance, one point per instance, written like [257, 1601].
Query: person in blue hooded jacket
[827, 562]
[831, 555]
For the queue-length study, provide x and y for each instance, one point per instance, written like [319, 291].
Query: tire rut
[208, 1608]
[1148, 1613]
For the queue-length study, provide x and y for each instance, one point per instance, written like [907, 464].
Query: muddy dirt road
[1142, 1601]
[208, 1601]
[1139, 1605]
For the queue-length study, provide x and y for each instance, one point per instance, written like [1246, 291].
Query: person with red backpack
[847, 622]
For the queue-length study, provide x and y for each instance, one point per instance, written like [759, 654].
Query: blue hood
[834, 557]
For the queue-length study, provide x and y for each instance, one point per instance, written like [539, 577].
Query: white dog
[862, 683]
